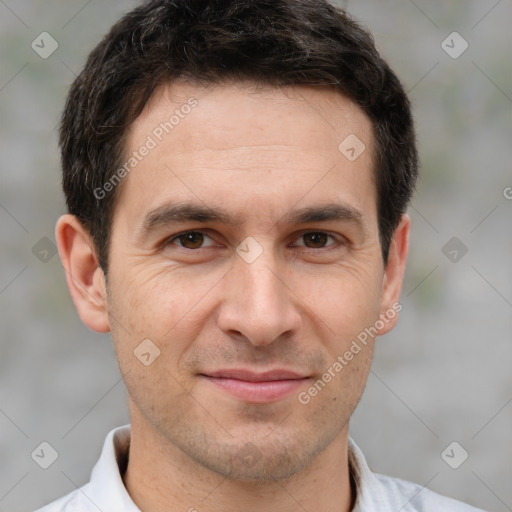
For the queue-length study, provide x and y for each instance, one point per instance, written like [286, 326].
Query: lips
[251, 376]
[256, 387]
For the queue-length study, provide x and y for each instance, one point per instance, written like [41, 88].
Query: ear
[84, 276]
[394, 274]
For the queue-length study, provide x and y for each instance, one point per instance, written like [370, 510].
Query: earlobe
[84, 276]
[394, 274]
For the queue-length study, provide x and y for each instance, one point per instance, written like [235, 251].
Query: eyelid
[170, 240]
[338, 239]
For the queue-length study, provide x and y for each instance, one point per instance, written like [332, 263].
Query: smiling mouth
[256, 387]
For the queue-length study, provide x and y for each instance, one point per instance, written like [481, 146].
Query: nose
[259, 305]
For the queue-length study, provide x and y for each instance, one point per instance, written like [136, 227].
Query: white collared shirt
[375, 493]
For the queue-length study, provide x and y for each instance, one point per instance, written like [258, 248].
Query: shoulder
[105, 491]
[412, 497]
[381, 492]
[76, 500]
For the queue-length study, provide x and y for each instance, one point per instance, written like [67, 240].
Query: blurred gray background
[443, 375]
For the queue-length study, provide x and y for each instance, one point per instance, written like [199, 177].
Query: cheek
[164, 306]
[346, 300]
[159, 298]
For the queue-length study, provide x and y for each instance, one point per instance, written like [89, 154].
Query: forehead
[242, 142]
[312, 116]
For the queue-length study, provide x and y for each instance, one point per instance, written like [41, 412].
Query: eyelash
[338, 241]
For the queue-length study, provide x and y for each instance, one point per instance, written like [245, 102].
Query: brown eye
[190, 240]
[316, 240]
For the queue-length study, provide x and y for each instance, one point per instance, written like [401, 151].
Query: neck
[160, 477]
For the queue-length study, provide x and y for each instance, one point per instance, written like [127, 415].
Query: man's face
[290, 299]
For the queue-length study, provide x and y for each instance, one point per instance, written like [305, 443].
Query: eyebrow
[326, 212]
[190, 212]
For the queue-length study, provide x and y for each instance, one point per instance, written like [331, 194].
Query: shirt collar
[107, 490]
[365, 480]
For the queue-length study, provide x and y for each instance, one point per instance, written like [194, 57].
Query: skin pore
[242, 163]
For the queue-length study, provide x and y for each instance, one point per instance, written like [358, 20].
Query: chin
[264, 460]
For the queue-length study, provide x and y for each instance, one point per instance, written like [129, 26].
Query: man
[237, 175]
